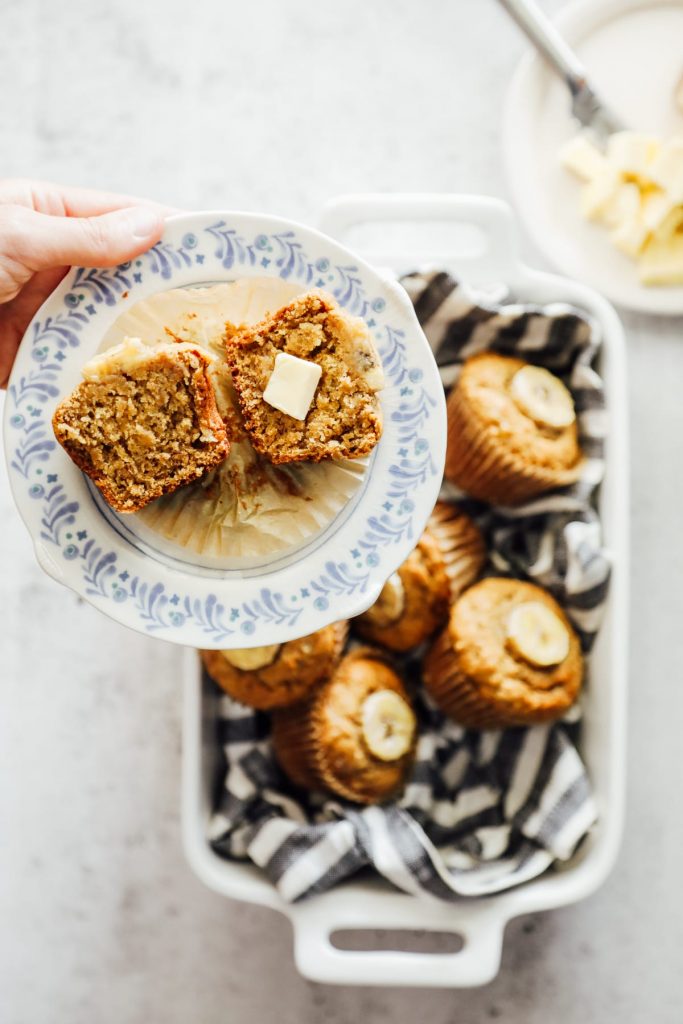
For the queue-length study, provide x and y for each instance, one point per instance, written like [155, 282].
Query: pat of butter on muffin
[292, 385]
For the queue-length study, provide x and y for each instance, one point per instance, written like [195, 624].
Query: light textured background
[278, 105]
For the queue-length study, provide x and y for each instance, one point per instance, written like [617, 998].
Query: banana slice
[388, 725]
[389, 605]
[537, 635]
[249, 659]
[543, 397]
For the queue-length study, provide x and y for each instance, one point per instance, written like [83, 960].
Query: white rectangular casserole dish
[474, 238]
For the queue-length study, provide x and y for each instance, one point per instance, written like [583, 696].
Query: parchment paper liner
[247, 509]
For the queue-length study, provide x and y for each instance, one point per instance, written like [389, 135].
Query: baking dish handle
[476, 963]
[497, 252]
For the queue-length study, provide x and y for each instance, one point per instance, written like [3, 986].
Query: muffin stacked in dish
[355, 734]
[490, 651]
[507, 656]
[512, 430]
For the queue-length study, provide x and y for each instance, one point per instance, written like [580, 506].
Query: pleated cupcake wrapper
[482, 811]
[452, 692]
[246, 509]
[295, 741]
[462, 548]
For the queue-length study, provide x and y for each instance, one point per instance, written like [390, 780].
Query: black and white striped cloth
[482, 811]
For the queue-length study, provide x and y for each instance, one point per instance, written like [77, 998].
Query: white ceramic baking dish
[474, 237]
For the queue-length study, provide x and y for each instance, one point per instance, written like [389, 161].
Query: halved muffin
[508, 656]
[277, 674]
[307, 379]
[354, 736]
[143, 422]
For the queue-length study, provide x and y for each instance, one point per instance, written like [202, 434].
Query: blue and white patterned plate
[342, 571]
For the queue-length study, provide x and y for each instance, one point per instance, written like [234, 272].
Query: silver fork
[587, 107]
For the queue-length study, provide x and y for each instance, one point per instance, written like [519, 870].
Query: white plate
[633, 51]
[475, 238]
[341, 571]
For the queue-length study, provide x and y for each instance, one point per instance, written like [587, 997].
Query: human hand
[45, 229]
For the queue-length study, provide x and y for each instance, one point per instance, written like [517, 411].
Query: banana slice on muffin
[277, 674]
[508, 656]
[354, 736]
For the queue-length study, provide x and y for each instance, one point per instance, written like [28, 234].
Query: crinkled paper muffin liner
[247, 511]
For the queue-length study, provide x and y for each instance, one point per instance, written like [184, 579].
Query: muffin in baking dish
[306, 379]
[143, 422]
[512, 430]
[354, 736]
[508, 656]
[414, 602]
[277, 674]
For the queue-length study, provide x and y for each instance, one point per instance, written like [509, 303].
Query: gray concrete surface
[278, 105]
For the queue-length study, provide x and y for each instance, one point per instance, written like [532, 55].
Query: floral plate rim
[76, 545]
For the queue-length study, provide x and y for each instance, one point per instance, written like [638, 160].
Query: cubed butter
[656, 207]
[667, 169]
[633, 153]
[623, 207]
[636, 190]
[662, 262]
[599, 191]
[670, 225]
[582, 158]
[630, 237]
[292, 385]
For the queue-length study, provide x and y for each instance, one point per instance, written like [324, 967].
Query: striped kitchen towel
[482, 811]
[555, 539]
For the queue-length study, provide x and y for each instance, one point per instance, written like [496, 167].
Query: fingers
[70, 201]
[37, 241]
[15, 316]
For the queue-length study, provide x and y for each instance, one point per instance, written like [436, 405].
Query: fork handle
[548, 41]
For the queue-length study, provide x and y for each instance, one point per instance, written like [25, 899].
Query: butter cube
[656, 207]
[598, 192]
[623, 207]
[671, 223]
[662, 262]
[582, 158]
[630, 237]
[632, 153]
[292, 385]
[667, 169]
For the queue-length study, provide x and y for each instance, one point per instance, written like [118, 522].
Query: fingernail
[143, 221]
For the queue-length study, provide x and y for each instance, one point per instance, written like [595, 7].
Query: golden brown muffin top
[336, 718]
[485, 385]
[479, 632]
[292, 668]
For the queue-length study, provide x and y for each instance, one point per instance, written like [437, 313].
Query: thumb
[39, 241]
